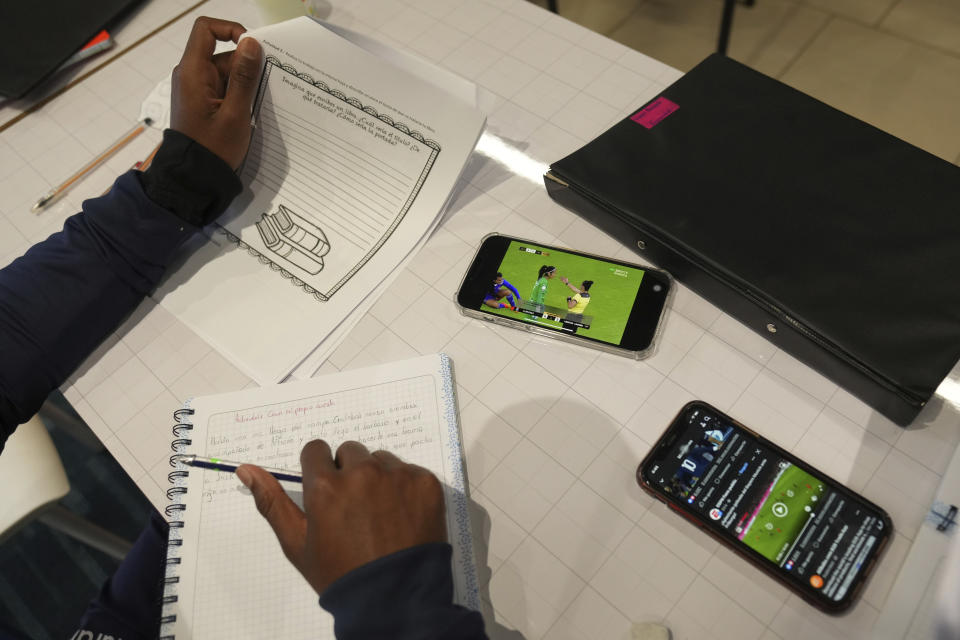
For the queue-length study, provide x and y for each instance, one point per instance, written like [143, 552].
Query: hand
[564, 280]
[359, 507]
[213, 94]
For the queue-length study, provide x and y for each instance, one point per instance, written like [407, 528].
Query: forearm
[68, 293]
[408, 594]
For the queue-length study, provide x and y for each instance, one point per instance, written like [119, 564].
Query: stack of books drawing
[294, 239]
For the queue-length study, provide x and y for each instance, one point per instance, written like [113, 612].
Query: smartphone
[598, 302]
[803, 528]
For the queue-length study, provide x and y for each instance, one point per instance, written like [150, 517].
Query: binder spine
[175, 512]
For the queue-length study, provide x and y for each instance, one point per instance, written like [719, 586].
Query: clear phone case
[572, 339]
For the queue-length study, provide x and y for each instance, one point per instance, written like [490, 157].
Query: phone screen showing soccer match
[805, 529]
[567, 292]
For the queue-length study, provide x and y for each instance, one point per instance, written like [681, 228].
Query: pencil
[225, 465]
[58, 191]
[146, 162]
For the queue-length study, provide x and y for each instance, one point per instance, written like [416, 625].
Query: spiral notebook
[226, 576]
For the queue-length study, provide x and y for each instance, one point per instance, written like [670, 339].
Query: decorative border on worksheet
[264, 260]
[399, 126]
[434, 146]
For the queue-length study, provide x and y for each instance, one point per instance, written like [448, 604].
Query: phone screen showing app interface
[820, 537]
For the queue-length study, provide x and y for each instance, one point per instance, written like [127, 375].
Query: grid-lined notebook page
[233, 579]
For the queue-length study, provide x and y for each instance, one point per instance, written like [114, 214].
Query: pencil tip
[148, 121]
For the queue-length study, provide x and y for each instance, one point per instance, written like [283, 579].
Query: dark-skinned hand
[213, 94]
[357, 507]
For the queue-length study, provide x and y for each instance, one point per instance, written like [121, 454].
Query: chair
[726, 21]
[32, 481]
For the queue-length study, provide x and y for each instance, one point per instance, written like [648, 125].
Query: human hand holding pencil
[358, 507]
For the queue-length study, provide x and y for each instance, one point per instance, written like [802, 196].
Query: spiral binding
[174, 510]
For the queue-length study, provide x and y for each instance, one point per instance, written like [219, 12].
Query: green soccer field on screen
[611, 296]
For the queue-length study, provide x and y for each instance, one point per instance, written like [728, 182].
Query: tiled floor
[892, 63]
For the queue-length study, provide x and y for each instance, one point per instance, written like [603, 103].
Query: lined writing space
[340, 168]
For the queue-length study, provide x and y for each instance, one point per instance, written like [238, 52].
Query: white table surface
[568, 545]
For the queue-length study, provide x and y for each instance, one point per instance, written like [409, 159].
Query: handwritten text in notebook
[402, 418]
[227, 577]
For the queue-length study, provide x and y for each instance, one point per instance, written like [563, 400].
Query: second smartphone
[599, 302]
[800, 526]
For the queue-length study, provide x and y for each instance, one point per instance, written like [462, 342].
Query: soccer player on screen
[540, 286]
[499, 290]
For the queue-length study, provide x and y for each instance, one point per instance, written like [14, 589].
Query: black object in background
[836, 241]
[37, 37]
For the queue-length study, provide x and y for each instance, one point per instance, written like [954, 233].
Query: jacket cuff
[189, 180]
[397, 596]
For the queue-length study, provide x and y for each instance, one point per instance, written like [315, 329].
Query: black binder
[838, 242]
[37, 37]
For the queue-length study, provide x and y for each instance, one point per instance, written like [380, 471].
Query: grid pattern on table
[568, 545]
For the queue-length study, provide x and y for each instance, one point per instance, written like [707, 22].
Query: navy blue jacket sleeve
[66, 294]
[406, 595]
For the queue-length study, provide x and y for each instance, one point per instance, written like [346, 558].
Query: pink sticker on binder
[651, 115]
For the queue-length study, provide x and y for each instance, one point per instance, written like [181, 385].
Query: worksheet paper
[350, 165]
[230, 578]
[449, 82]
